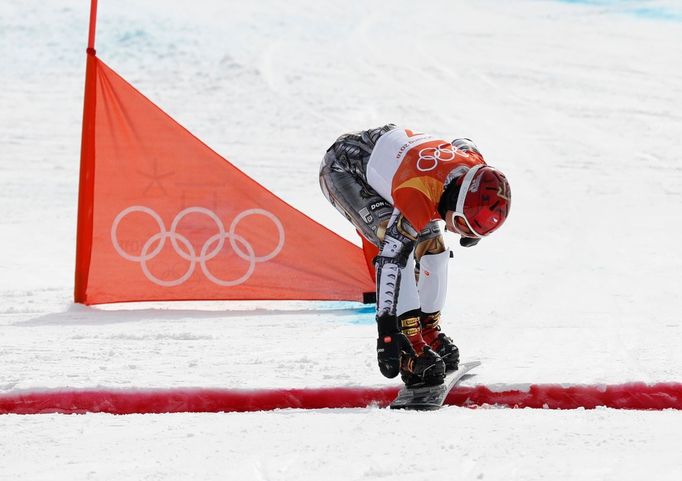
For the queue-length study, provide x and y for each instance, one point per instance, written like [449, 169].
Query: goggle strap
[464, 188]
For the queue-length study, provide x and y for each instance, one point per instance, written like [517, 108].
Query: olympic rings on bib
[184, 248]
[429, 157]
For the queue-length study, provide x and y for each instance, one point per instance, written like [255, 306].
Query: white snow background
[579, 103]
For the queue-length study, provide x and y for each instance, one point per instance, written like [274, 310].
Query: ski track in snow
[577, 102]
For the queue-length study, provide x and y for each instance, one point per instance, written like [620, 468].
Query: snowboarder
[394, 185]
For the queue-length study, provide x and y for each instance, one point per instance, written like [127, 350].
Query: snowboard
[430, 398]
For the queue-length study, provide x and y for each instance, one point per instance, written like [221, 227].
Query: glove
[468, 241]
[391, 345]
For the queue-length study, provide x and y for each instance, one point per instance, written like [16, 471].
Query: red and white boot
[426, 368]
[438, 341]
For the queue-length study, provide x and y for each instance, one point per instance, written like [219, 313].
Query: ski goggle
[457, 223]
[455, 220]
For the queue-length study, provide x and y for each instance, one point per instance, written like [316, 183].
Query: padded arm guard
[396, 248]
[465, 144]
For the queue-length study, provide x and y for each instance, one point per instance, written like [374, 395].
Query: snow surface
[579, 103]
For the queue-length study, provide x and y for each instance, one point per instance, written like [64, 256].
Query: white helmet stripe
[464, 188]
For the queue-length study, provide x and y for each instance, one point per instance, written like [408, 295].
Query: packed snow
[578, 102]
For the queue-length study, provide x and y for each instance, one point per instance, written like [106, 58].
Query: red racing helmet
[482, 202]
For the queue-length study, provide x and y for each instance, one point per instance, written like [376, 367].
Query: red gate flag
[163, 217]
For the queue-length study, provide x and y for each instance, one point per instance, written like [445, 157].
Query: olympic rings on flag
[184, 248]
[432, 155]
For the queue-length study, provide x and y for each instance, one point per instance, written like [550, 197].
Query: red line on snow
[552, 396]
[118, 401]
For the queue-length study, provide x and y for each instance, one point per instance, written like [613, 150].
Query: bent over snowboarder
[394, 185]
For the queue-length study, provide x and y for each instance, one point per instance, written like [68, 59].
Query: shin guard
[408, 300]
[433, 281]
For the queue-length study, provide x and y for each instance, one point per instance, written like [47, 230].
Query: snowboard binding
[425, 369]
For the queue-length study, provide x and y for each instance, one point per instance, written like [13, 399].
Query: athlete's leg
[349, 193]
[433, 257]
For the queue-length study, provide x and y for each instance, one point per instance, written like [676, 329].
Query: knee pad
[433, 281]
